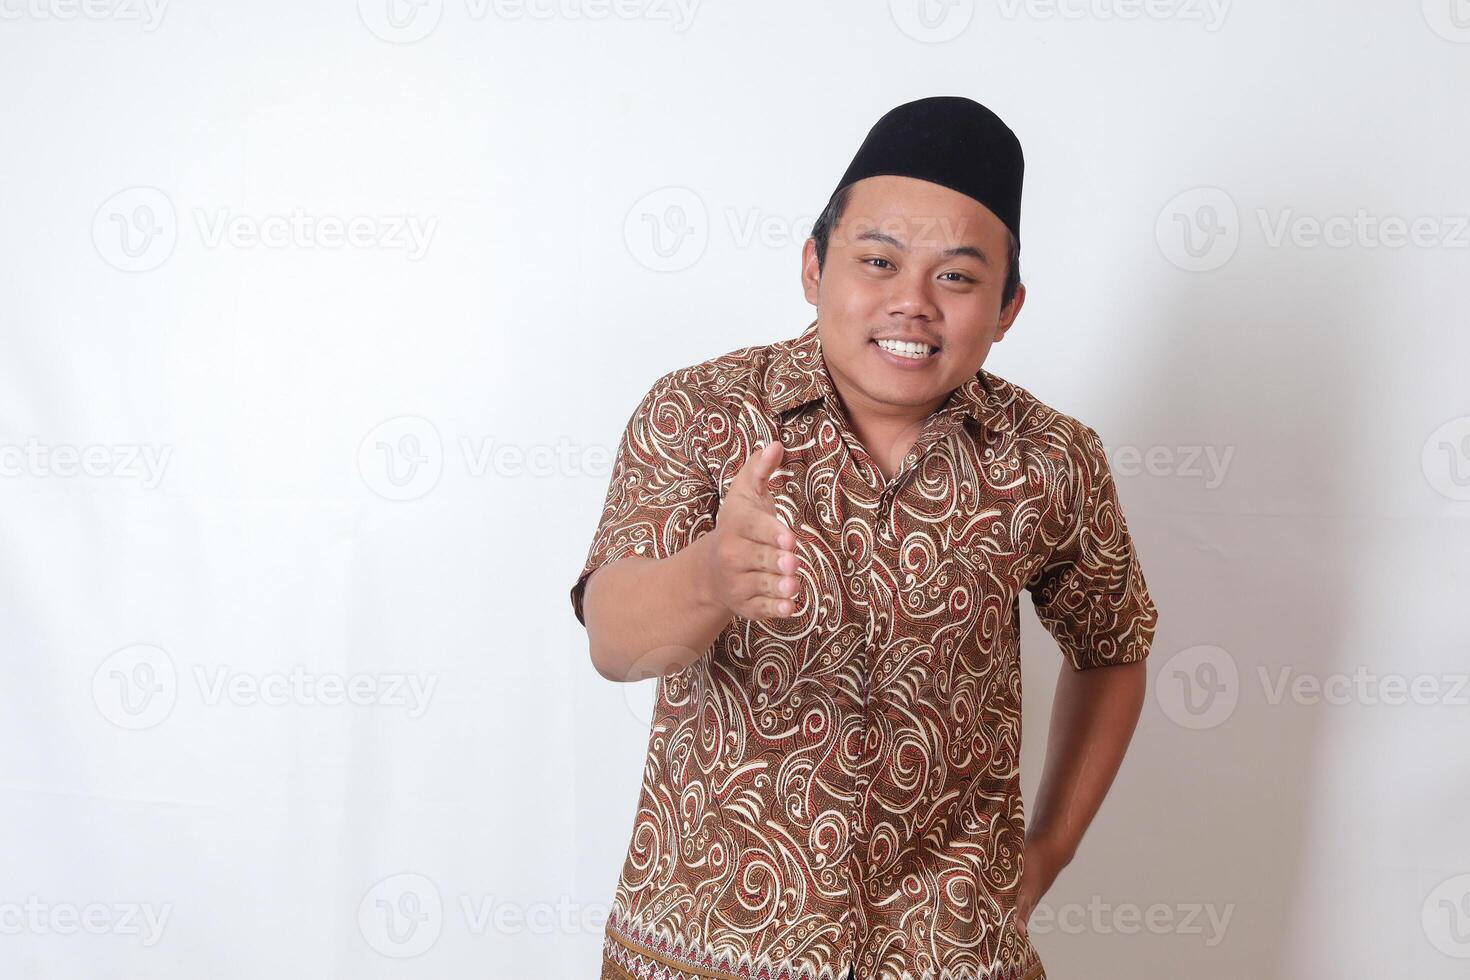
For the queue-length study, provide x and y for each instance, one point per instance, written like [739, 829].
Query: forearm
[648, 616]
[1092, 721]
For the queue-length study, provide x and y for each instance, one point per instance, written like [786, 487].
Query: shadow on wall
[1193, 865]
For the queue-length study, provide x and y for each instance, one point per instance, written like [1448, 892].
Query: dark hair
[832, 214]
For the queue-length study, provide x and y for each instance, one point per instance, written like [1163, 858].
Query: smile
[911, 350]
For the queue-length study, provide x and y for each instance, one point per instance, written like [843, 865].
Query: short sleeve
[1090, 594]
[660, 496]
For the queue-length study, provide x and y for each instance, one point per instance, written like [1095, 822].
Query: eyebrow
[886, 239]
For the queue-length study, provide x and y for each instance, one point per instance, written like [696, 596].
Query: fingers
[770, 583]
[771, 596]
[766, 585]
[765, 608]
[758, 581]
[765, 529]
[773, 561]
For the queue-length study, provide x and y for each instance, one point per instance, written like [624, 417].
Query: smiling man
[818, 547]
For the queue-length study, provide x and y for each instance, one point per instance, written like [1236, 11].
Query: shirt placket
[861, 580]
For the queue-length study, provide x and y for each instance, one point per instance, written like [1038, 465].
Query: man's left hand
[1040, 867]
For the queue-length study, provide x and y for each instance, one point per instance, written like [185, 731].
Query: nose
[910, 296]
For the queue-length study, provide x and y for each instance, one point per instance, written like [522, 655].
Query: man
[818, 546]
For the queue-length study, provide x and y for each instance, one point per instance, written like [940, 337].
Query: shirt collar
[796, 375]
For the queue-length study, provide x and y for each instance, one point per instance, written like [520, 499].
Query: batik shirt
[836, 793]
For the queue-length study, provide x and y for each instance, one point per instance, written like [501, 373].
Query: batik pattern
[840, 788]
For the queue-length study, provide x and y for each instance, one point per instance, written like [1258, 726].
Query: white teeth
[904, 348]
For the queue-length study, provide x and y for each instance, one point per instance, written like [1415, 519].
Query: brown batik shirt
[838, 790]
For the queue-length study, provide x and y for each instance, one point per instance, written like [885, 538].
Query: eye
[875, 259]
[963, 277]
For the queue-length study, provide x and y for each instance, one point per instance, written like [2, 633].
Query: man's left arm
[1091, 596]
[1092, 722]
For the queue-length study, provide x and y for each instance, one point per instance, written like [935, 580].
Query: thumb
[757, 470]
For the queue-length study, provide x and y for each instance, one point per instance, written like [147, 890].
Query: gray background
[375, 288]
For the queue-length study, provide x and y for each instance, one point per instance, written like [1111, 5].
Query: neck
[886, 430]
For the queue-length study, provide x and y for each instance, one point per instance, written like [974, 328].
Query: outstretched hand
[752, 560]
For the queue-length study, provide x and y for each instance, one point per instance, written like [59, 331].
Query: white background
[333, 492]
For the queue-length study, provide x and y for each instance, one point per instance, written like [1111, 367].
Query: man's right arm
[651, 616]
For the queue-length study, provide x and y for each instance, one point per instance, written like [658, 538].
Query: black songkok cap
[949, 140]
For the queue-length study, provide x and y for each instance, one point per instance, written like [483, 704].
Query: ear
[1009, 312]
[811, 275]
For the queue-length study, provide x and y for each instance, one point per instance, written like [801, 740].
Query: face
[913, 261]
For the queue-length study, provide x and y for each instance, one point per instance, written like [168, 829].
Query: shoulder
[1063, 456]
[731, 381]
[1036, 424]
